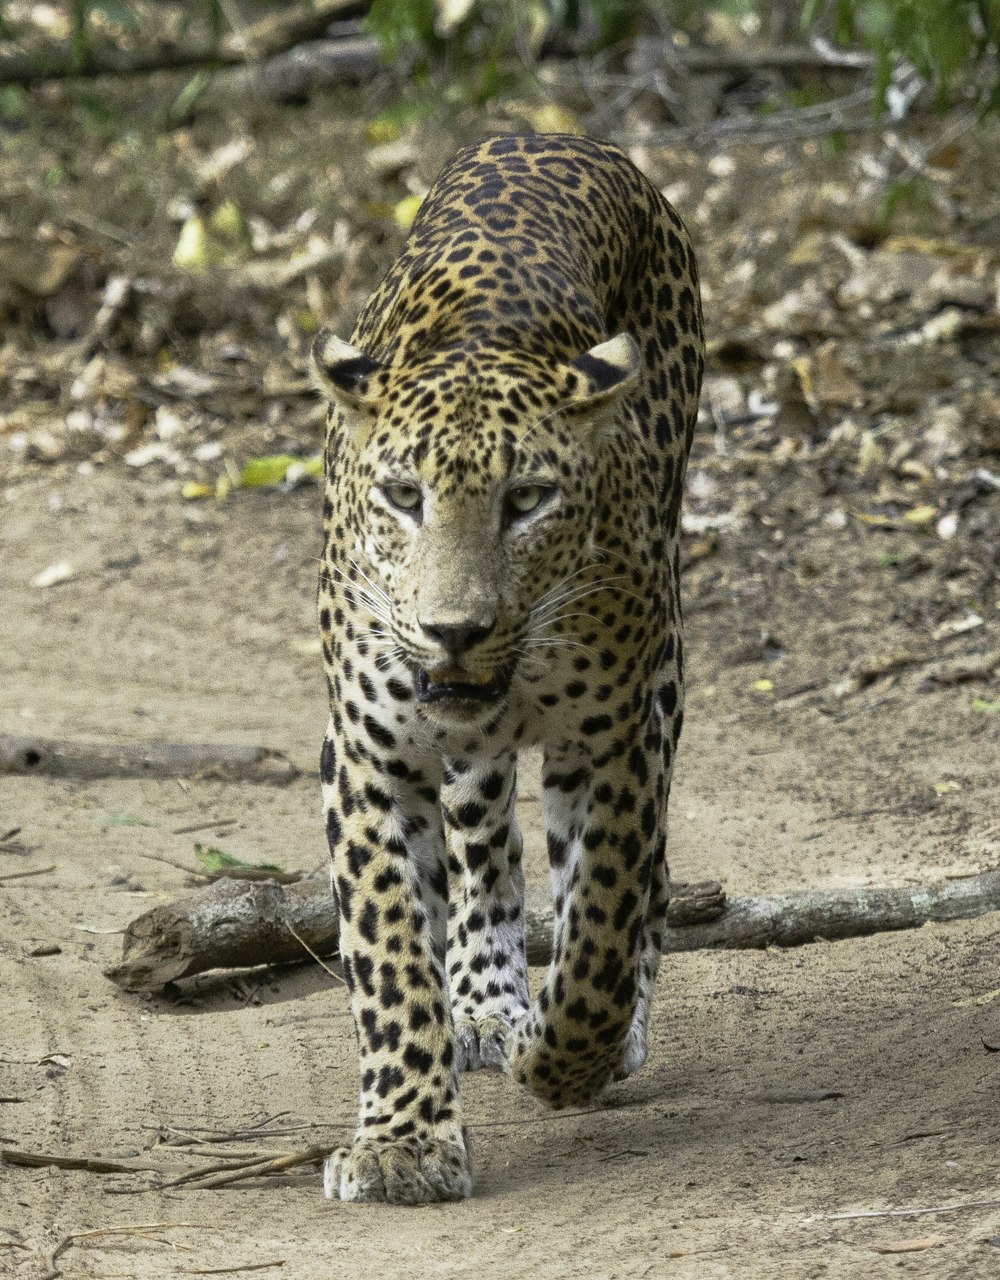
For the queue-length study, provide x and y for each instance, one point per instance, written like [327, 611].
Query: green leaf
[810, 10]
[988, 708]
[258, 473]
[13, 103]
[192, 91]
[215, 860]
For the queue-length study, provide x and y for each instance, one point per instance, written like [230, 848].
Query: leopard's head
[473, 486]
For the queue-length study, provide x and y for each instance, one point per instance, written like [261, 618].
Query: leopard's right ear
[342, 372]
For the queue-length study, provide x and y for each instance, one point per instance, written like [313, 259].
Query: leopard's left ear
[342, 372]
[604, 373]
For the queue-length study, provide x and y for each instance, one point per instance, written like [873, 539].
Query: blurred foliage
[954, 45]
[943, 39]
[947, 41]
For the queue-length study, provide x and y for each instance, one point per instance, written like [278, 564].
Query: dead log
[231, 924]
[356, 59]
[67, 758]
[263, 39]
[236, 924]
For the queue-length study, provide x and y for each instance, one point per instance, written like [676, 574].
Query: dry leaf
[61, 571]
[921, 515]
[405, 211]
[56, 1060]
[40, 269]
[909, 1246]
[955, 626]
[835, 386]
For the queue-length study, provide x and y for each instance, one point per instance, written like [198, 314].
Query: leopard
[508, 429]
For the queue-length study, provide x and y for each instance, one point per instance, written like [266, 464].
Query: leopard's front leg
[389, 875]
[487, 969]
[604, 813]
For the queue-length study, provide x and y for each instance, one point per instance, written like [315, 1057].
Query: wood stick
[234, 924]
[89, 1164]
[67, 758]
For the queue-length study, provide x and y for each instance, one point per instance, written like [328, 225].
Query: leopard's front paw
[481, 1043]
[404, 1171]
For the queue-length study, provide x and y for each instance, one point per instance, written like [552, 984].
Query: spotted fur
[505, 457]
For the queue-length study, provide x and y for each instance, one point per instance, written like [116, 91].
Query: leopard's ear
[604, 373]
[342, 372]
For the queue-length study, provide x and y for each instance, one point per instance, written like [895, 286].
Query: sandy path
[190, 623]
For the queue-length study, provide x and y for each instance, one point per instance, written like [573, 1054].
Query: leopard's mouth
[453, 685]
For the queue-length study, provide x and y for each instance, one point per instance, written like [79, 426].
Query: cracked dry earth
[784, 1090]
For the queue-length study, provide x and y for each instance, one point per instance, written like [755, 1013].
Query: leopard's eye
[404, 497]
[525, 498]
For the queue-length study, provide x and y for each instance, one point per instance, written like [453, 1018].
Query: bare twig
[230, 873]
[140, 1229]
[225, 1271]
[902, 1213]
[89, 1164]
[850, 112]
[322, 965]
[23, 875]
[203, 826]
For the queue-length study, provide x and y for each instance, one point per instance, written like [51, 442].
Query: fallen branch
[271, 35]
[356, 59]
[66, 758]
[353, 58]
[234, 925]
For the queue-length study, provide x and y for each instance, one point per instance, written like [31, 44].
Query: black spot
[375, 796]
[419, 1017]
[358, 857]
[491, 786]
[378, 733]
[558, 849]
[638, 766]
[476, 856]
[363, 972]
[469, 814]
[631, 850]
[418, 1059]
[368, 923]
[606, 876]
[389, 1078]
[596, 724]
[626, 906]
[667, 698]
[389, 991]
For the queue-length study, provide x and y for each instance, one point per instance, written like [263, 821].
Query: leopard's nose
[457, 638]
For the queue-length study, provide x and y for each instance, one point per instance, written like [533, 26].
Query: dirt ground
[800, 1109]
